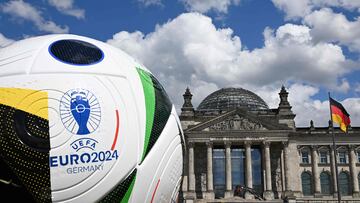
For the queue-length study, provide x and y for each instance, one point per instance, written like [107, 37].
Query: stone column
[315, 170]
[354, 175]
[333, 170]
[228, 192]
[268, 193]
[248, 171]
[288, 189]
[210, 184]
[191, 168]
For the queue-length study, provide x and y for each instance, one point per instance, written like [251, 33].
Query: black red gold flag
[339, 114]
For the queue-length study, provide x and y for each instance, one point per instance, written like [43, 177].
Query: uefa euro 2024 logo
[80, 111]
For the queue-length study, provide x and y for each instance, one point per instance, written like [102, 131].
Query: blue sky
[310, 46]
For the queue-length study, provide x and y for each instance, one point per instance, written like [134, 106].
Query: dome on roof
[232, 98]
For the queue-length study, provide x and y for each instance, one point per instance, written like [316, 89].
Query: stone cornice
[222, 140]
[239, 133]
[268, 124]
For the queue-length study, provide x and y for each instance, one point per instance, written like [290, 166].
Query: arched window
[306, 183]
[344, 183]
[325, 181]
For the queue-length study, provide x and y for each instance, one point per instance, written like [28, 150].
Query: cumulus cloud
[306, 108]
[219, 6]
[190, 51]
[67, 7]
[326, 25]
[25, 11]
[294, 9]
[5, 41]
[298, 9]
[339, 30]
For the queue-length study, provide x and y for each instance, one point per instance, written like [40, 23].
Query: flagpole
[335, 153]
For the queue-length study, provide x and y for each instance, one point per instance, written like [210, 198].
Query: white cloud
[357, 88]
[334, 27]
[190, 51]
[305, 107]
[25, 11]
[346, 4]
[5, 41]
[67, 7]
[294, 8]
[220, 6]
[147, 3]
[297, 9]
[325, 24]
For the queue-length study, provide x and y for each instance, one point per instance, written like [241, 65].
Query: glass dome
[232, 98]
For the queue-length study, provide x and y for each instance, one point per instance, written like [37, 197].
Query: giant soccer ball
[81, 121]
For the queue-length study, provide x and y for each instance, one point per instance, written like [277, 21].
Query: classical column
[248, 171]
[210, 185]
[191, 168]
[287, 167]
[315, 169]
[228, 192]
[353, 171]
[268, 194]
[333, 169]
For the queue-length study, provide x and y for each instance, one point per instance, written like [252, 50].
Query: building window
[305, 157]
[342, 157]
[325, 182]
[257, 170]
[219, 172]
[344, 183]
[237, 167]
[323, 157]
[306, 184]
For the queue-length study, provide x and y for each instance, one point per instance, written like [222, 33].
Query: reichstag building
[239, 149]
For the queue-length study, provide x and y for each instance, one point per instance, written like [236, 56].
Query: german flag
[339, 114]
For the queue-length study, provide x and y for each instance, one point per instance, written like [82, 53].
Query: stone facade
[296, 163]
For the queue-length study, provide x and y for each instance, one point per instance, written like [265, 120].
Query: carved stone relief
[236, 123]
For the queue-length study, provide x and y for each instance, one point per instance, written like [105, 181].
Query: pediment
[236, 120]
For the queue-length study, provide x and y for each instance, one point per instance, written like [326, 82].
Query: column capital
[191, 144]
[314, 147]
[247, 143]
[266, 143]
[285, 143]
[331, 147]
[351, 147]
[227, 144]
[209, 144]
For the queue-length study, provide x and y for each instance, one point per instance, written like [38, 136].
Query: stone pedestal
[268, 195]
[228, 194]
[189, 197]
[248, 195]
[356, 194]
[209, 195]
[289, 194]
